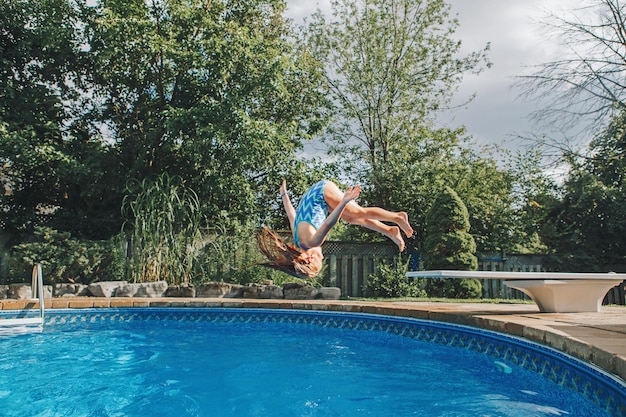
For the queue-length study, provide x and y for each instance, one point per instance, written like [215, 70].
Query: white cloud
[517, 42]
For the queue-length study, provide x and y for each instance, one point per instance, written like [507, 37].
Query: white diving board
[554, 292]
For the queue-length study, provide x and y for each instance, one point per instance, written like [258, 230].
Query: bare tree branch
[584, 88]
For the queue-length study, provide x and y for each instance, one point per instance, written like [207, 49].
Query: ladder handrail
[25, 322]
[37, 288]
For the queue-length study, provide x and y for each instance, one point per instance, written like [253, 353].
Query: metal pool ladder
[25, 324]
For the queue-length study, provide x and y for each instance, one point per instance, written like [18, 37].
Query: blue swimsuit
[312, 209]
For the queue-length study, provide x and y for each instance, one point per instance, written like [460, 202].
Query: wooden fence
[495, 288]
[350, 264]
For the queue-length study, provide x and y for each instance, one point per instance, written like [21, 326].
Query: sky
[497, 115]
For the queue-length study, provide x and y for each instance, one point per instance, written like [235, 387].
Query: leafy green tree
[390, 66]
[210, 91]
[95, 93]
[587, 227]
[533, 195]
[66, 259]
[40, 67]
[448, 245]
[486, 191]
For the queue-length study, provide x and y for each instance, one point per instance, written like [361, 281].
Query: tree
[486, 191]
[390, 66]
[448, 245]
[587, 84]
[41, 61]
[209, 91]
[583, 226]
[533, 195]
[65, 259]
[587, 227]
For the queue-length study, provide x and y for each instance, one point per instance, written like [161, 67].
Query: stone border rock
[159, 289]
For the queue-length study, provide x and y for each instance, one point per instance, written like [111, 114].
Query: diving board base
[560, 296]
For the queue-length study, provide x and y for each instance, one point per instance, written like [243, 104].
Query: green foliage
[229, 253]
[163, 222]
[65, 259]
[486, 191]
[586, 228]
[448, 214]
[94, 93]
[39, 69]
[47, 161]
[390, 280]
[448, 245]
[533, 195]
[209, 91]
[454, 288]
[583, 227]
[228, 246]
[390, 66]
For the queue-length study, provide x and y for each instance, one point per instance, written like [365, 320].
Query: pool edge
[596, 338]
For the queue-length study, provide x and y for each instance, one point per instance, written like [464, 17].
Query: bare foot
[396, 236]
[403, 222]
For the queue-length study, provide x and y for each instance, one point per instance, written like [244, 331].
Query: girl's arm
[291, 212]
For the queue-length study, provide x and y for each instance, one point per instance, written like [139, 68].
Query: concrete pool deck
[597, 337]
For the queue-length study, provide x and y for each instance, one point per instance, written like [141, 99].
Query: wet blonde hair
[284, 257]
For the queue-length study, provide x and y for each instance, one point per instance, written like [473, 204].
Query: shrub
[449, 245]
[454, 288]
[65, 259]
[162, 220]
[229, 253]
[390, 280]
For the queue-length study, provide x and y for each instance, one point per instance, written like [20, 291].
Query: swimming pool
[256, 362]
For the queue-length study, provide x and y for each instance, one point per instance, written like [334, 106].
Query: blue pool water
[220, 362]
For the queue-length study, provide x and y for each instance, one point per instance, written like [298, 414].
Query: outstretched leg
[370, 217]
[392, 232]
[354, 213]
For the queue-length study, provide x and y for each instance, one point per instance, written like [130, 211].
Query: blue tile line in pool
[605, 390]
